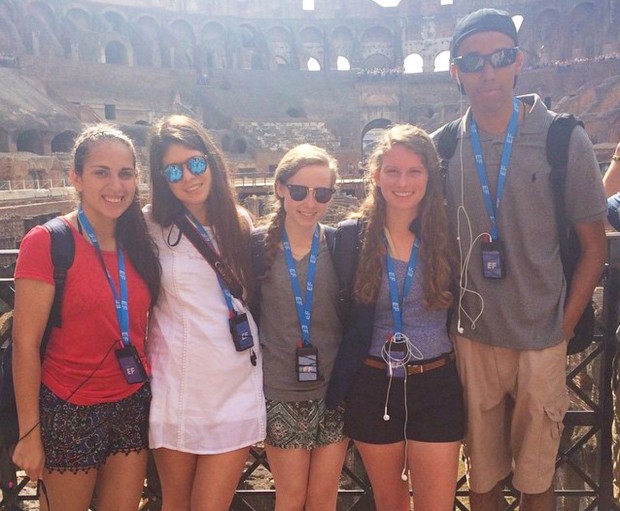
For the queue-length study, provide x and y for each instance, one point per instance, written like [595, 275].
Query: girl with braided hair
[300, 332]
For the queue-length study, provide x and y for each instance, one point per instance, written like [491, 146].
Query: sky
[387, 3]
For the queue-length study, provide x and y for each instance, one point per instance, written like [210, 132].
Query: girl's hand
[29, 455]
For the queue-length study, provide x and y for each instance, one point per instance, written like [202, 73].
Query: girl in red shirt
[83, 410]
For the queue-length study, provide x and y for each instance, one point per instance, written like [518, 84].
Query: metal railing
[33, 184]
[584, 464]
[239, 181]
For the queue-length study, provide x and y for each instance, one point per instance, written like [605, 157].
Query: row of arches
[36, 141]
[111, 35]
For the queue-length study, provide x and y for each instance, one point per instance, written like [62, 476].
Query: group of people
[409, 329]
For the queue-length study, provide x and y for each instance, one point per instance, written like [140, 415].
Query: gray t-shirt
[425, 328]
[525, 309]
[280, 332]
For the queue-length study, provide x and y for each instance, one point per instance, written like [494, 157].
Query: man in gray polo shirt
[514, 318]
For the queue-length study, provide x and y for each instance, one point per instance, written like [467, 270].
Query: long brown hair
[231, 232]
[131, 230]
[292, 162]
[435, 252]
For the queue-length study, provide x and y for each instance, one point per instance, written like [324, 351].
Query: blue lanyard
[304, 308]
[396, 303]
[205, 236]
[120, 303]
[511, 131]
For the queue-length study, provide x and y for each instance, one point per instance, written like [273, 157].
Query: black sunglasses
[173, 173]
[474, 62]
[300, 192]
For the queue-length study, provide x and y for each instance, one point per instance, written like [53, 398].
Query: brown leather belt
[414, 368]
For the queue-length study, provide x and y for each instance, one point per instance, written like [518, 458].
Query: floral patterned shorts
[303, 424]
[81, 437]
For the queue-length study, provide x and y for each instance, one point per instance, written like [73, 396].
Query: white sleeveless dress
[207, 397]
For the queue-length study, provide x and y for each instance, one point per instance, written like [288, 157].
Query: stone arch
[546, 30]
[145, 42]
[63, 142]
[251, 49]
[240, 146]
[30, 141]
[442, 61]
[149, 28]
[116, 21]
[79, 18]
[40, 29]
[4, 140]
[342, 63]
[313, 64]
[378, 40]
[371, 133]
[377, 61]
[413, 63]
[10, 40]
[342, 43]
[247, 36]
[7, 10]
[116, 53]
[42, 10]
[226, 142]
[312, 44]
[281, 62]
[583, 20]
[280, 43]
[183, 44]
[213, 38]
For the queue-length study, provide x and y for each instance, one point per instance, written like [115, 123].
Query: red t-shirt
[81, 352]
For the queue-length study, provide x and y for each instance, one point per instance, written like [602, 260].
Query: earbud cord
[465, 259]
[403, 474]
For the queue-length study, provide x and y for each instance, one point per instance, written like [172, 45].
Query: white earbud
[403, 474]
[386, 417]
[459, 328]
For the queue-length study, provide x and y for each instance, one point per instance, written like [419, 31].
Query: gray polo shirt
[525, 309]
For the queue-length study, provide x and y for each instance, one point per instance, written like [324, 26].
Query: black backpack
[558, 138]
[62, 251]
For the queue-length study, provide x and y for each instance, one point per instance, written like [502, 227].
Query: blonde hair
[292, 162]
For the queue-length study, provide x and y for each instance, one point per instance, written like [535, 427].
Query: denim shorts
[81, 437]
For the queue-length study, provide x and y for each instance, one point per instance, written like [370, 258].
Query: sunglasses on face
[474, 62]
[300, 192]
[173, 173]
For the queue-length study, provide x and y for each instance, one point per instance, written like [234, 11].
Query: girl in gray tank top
[300, 333]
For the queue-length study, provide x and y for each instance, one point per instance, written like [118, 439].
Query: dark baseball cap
[483, 20]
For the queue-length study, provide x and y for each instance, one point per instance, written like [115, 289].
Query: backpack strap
[557, 144]
[330, 237]
[446, 140]
[62, 251]
[346, 253]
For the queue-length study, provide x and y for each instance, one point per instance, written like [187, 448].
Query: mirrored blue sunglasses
[197, 165]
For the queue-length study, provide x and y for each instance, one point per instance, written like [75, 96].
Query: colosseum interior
[265, 75]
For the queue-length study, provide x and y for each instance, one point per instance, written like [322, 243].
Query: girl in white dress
[208, 405]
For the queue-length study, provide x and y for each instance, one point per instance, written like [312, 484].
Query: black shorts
[81, 437]
[435, 411]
